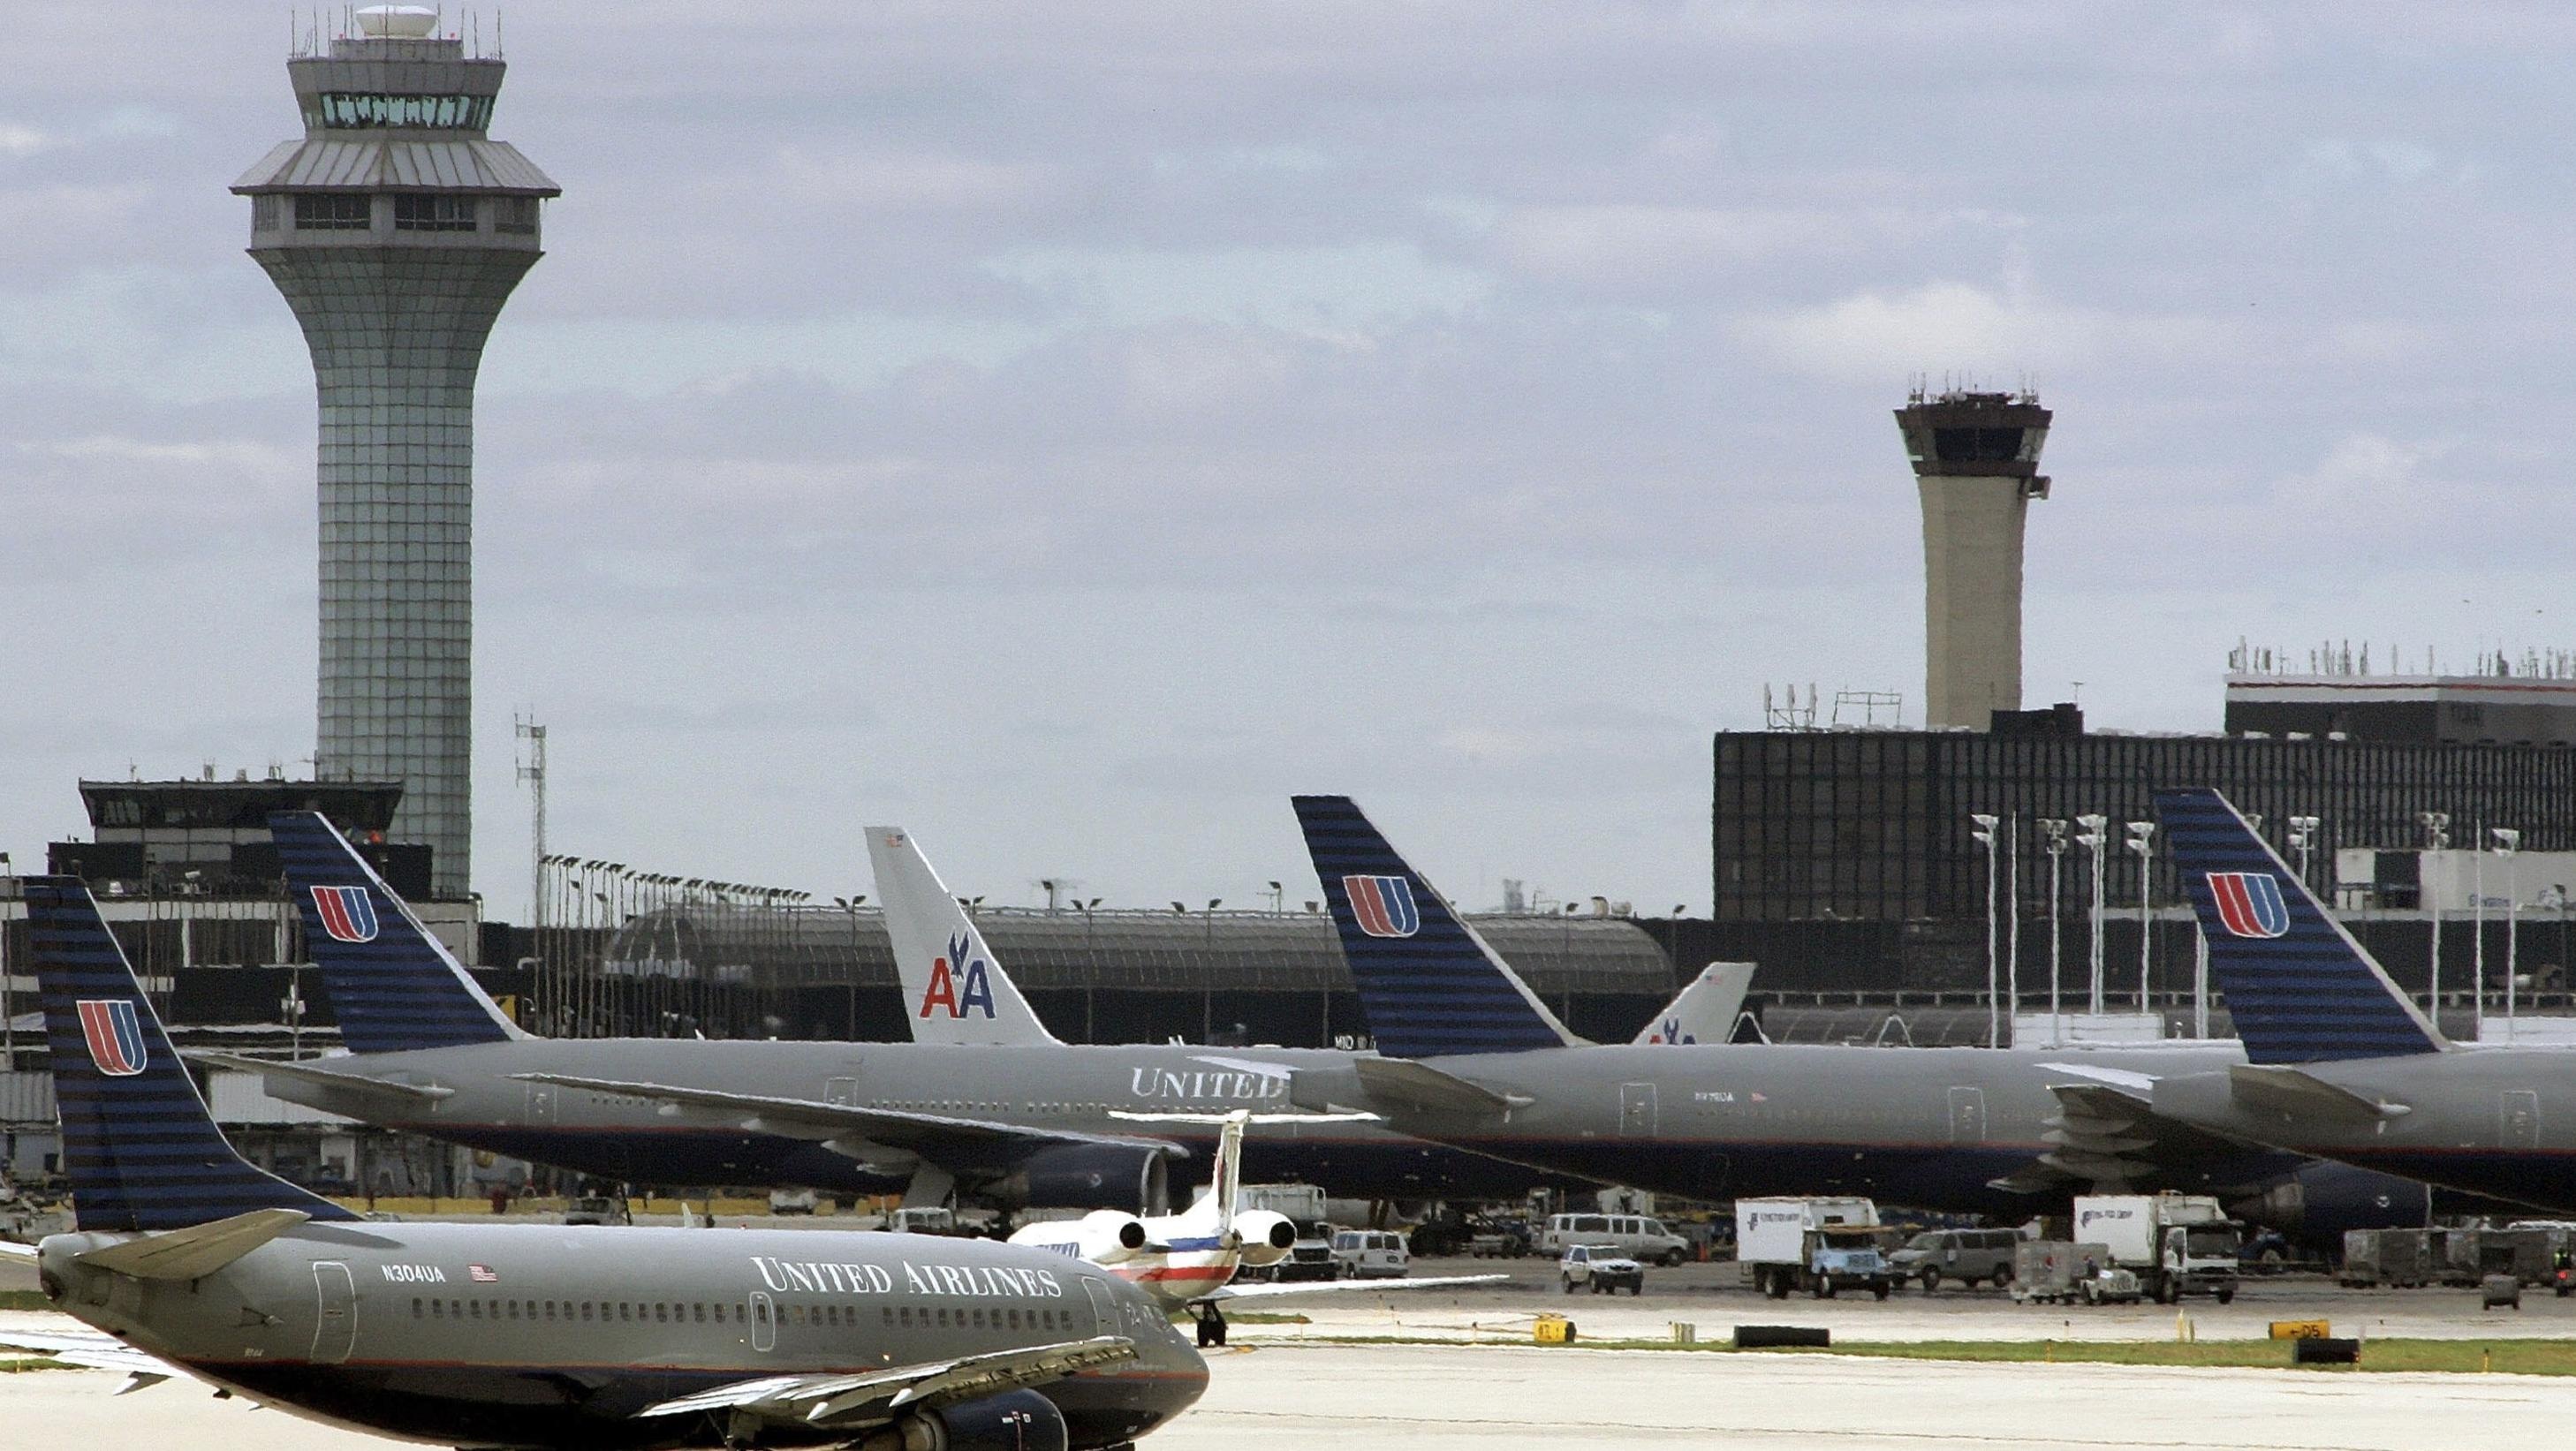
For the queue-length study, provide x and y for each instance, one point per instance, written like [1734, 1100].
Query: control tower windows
[332, 212]
[433, 212]
[351, 112]
[514, 214]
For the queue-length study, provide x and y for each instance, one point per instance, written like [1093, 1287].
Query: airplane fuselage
[2496, 1122]
[547, 1336]
[1075, 1088]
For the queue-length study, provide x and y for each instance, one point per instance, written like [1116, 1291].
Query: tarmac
[1288, 1385]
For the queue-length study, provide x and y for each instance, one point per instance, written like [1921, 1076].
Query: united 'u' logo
[1383, 905]
[115, 1036]
[2249, 903]
[967, 986]
[346, 912]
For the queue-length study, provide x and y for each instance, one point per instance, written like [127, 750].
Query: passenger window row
[945, 1317]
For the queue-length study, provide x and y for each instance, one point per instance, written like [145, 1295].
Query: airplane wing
[1419, 1085]
[95, 1349]
[2108, 1133]
[894, 1128]
[2301, 1094]
[1317, 1287]
[868, 1398]
[356, 1082]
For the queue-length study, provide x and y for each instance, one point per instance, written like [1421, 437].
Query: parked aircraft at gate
[523, 1335]
[1026, 1123]
[1475, 1059]
[2344, 1064]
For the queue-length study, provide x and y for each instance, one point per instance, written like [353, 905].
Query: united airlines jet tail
[393, 985]
[140, 1149]
[1428, 984]
[2300, 988]
[1705, 1010]
[954, 991]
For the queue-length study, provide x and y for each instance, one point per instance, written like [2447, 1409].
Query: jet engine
[1265, 1236]
[2318, 1203]
[1090, 1176]
[1012, 1421]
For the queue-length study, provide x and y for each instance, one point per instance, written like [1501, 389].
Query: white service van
[1370, 1254]
[1638, 1236]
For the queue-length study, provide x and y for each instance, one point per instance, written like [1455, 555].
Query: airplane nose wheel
[1211, 1326]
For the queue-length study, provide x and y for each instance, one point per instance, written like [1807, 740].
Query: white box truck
[1820, 1245]
[2177, 1244]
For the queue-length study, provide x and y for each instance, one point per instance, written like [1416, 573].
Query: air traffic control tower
[1976, 463]
[397, 228]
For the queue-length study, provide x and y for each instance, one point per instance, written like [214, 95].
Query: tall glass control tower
[397, 228]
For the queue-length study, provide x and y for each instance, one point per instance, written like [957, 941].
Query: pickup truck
[1603, 1268]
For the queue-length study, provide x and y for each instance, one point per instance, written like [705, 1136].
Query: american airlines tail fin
[954, 991]
[2299, 987]
[139, 1146]
[393, 984]
[1705, 1010]
[1428, 984]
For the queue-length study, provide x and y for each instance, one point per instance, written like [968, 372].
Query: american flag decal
[482, 1275]
[1383, 906]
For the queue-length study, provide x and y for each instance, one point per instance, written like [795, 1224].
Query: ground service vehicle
[1965, 1255]
[2178, 1244]
[1819, 1245]
[1637, 1234]
[2055, 1271]
[1601, 1267]
[1369, 1254]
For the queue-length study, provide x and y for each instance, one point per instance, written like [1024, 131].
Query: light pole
[2054, 830]
[2478, 931]
[2142, 840]
[2094, 838]
[1090, 966]
[2303, 836]
[2012, 918]
[2508, 840]
[1985, 836]
[850, 905]
[2437, 835]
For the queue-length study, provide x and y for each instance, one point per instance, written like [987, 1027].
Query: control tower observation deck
[1976, 464]
[396, 228]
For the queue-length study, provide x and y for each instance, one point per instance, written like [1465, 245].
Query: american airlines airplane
[188, 1260]
[1189, 1260]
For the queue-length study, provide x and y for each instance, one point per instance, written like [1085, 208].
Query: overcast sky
[1066, 430]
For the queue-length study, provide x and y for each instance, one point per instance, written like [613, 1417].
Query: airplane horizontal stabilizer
[1419, 1085]
[2300, 1094]
[93, 1349]
[189, 1254]
[1318, 1287]
[306, 1073]
[855, 1402]
[894, 1128]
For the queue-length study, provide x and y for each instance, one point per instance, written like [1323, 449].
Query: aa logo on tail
[115, 1036]
[1670, 1031]
[961, 988]
[2249, 903]
[347, 913]
[1383, 905]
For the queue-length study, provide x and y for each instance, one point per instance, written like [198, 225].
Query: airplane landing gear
[1211, 1325]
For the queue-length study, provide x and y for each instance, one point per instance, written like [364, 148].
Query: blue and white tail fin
[2299, 987]
[393, 984]
[1706, 1008]
[1428, 984]
[139, 1146]
[954, 989]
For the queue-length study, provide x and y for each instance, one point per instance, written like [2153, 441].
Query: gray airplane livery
[1017, 1118]
[2344, 1064]
[190, 1260]
[1473, 1058]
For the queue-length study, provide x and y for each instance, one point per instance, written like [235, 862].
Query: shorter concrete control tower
[1976, 463]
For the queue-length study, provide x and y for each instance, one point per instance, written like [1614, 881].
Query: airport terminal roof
[1282, 951]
